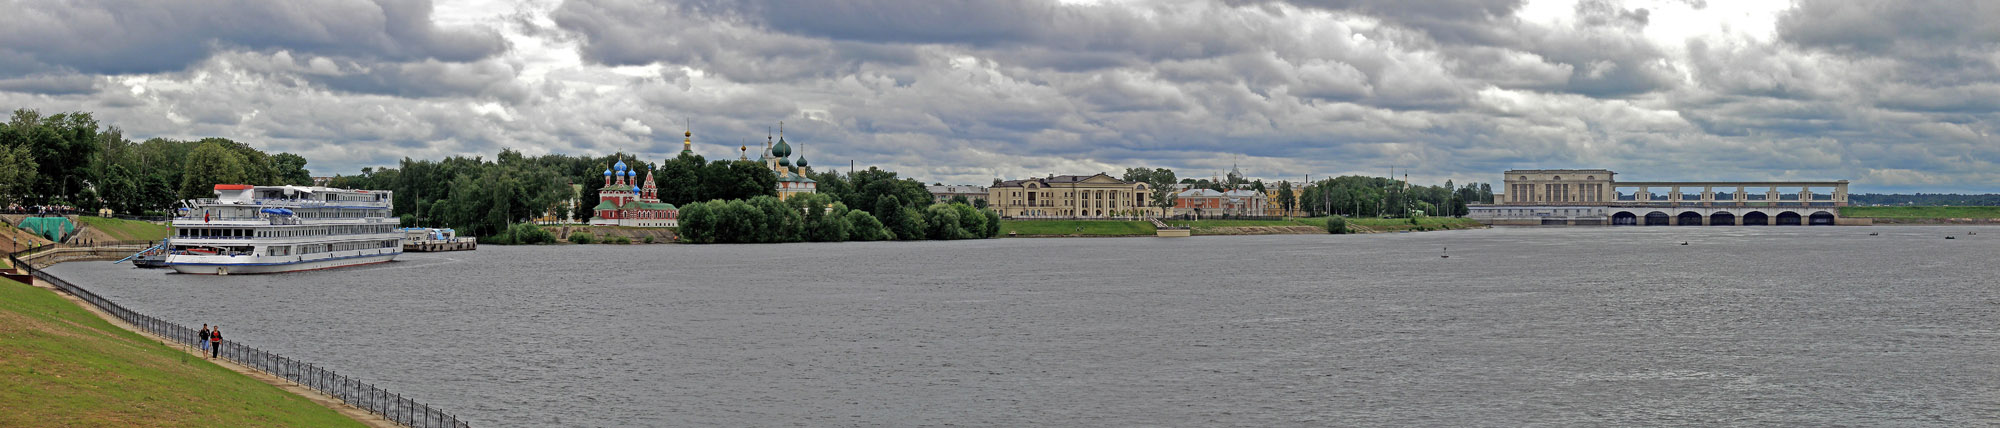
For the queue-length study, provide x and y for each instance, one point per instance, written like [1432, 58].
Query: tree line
[70, 159]
[822, 218]
[1351, 196]
[1925, 199]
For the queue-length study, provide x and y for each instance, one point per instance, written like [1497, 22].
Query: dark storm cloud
[430, 79]
[1922, 28]
[1449, 21]
[143, 36]
[60, 84]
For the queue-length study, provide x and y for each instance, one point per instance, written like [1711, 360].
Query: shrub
[618, 240]
[992, 222]
[649, 239]
[866, 227]
[697, 223]
[1336, 225]
[941, 221]
[971, 223]
[522, 234]
[581, 238]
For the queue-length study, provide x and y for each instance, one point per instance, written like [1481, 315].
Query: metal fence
[391, 406]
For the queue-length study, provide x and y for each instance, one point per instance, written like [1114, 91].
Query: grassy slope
[1068, 227]
[1921, 212]
[60, 365]
[126, 230]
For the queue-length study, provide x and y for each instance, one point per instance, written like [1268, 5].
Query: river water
[1800, 326]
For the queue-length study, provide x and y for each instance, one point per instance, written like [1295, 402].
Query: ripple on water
[1559, 326]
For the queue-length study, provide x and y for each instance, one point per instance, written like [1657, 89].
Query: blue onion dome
[620, 166]
[607, 173]
[802, 160]
[782, 149]
[784, 161]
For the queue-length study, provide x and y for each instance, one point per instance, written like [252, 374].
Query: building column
[1708, 195]
[1644, 195]
[1740, 196]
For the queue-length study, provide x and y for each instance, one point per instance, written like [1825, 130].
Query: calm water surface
[1802, 326]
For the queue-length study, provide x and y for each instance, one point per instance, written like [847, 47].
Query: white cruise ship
[269, 229]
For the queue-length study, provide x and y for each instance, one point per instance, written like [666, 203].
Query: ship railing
[391, 406]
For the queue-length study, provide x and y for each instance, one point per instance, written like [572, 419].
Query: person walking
[204, 338]
[215, 342]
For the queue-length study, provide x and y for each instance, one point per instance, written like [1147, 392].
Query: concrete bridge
[1592, 197]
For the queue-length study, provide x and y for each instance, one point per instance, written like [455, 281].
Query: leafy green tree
[697, 223]
[290, 169]
[17, 173]
[1286, 201]
[942, 222]
[1336, 225]
[971, 223]
[780, 223]
[992, 223]
[208, 165]
[910, 225]
[867, 227]
[834, 226]
[680, 180]
[736, 179]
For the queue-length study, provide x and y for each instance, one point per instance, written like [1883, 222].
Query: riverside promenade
[362, 402]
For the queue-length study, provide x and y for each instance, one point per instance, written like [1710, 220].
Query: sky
[1896, 96]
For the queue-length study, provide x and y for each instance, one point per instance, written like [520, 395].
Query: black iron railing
[391, 406]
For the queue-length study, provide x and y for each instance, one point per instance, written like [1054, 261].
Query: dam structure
[1592, 197]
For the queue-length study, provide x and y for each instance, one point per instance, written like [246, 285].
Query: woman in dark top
[215, 342]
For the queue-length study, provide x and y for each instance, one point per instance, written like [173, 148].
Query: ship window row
[207, 232]
[285, 250]
[341, 212]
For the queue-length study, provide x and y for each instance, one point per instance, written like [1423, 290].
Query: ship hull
[247, 265]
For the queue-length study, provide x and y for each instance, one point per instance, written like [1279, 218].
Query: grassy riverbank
[61, 366]
[125, 230]
[1076, 227]
[1921, 213]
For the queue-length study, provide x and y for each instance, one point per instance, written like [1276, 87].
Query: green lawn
[61, 366]
[126, 230]
[1083, 227]
[1920, 212]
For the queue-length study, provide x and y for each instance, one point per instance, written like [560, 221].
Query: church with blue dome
[626, 200]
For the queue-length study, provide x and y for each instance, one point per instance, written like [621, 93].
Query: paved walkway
[355, 413]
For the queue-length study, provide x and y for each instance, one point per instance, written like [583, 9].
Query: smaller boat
[1447, 253]
[1874, 233]
[1950, 237]
[1684, 242]
[150, 258]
